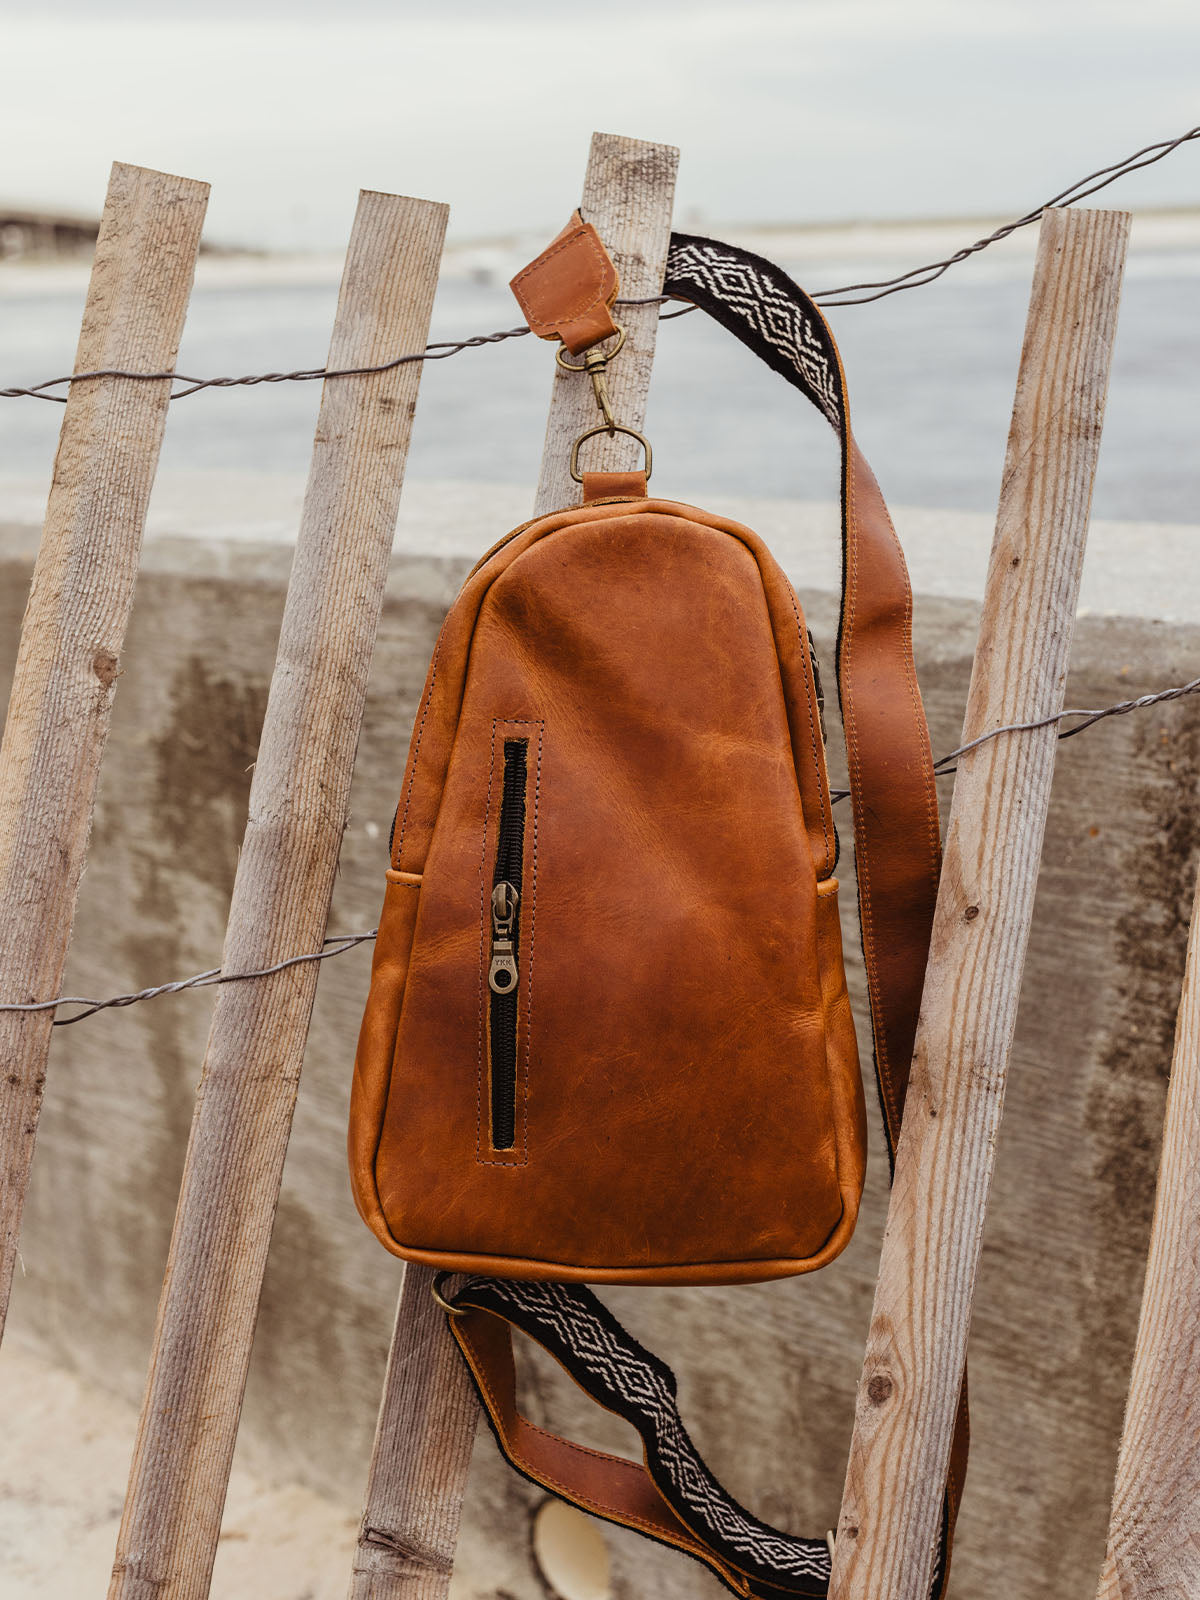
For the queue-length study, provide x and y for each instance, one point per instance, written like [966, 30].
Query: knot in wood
[879, 1389]
[104, 665]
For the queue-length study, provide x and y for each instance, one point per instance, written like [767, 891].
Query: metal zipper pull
[502, 974]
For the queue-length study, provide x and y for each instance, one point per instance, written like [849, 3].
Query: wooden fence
[49, 763]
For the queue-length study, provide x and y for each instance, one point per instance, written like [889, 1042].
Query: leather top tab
[613, 486]
[568, 292]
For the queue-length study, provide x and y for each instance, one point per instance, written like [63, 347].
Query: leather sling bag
[608, 1038]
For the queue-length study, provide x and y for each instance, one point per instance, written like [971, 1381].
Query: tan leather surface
[389, 969]
[613, 486]
[611, 1487]
[896, 840]
[681, 989]
[645, 1149]
[568, 292]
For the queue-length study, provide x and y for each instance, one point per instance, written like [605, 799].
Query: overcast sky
[784, 109]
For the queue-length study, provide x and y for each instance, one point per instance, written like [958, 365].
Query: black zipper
[503, 971]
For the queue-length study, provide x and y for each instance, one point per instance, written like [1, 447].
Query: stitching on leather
[412, 778]
[753, 552]
[850, 728]
[531, 901]
[487, 812]
[729, 532]
[806, 673]
[437, 649]
[837, 1157]
[909, 666]
[668, 508]
[530, 305]
[546, 1478]
[399, 845]
[526, 1090]
[494, 1407]
[910, 670]
[469, 1261]
[861, 863]
[685, 1540]
[387, 1093]
[910, 673]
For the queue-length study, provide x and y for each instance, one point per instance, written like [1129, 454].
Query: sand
[64, 1457]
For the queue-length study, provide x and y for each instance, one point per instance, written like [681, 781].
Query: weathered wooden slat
[1154, 1532]
[429, 1413]
[297, 813]
[74, 629]
[422, 1454]
[628, 196]
[916, 1346]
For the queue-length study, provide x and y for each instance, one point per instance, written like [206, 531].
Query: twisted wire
[942, 766]
[917, 277]
[341, 943]
[200, 980]
[914, 278]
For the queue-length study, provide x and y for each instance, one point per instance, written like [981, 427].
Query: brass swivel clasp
[595, 363]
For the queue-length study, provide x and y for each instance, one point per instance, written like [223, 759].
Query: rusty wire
[943, 769]
[914, 278]
[338, 944]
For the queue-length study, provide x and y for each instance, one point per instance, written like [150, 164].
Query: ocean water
[931, 375]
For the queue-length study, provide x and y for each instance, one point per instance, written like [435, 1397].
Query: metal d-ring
[447, 1307]
[617, 427]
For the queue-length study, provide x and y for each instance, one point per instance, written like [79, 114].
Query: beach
[930, 370]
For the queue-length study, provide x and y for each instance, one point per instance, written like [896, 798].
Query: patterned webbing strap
[890, 765]
[694, 1513]
[897, 849]
[674, 1498]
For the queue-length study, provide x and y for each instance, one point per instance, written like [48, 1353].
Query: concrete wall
[767, 1373]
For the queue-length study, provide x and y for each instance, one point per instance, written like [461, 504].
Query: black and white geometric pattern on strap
[620, 1374]
[765, 309]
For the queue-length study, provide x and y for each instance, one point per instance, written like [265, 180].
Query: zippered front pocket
[504, 972]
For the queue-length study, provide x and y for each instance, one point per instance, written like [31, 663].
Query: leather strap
[673, 1497]
[896, 842]
[897, 849]
[569, 290]
[613, 486]
[897, 861]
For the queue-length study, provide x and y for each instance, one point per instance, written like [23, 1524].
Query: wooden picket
[628, 195]
[1154, 1531]
[916, 1347]
[74, 627]
[49, 763]
[429, 1413]
[297, 815]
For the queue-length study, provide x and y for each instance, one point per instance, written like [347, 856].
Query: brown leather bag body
[608, 1037]
[621, 726]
